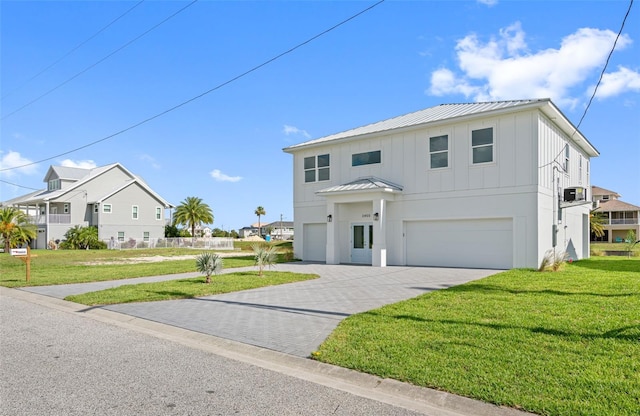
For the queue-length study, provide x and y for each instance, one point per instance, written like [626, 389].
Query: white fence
[208, 243]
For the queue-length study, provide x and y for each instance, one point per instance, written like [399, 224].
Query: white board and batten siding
[476, 243]
[314, 238]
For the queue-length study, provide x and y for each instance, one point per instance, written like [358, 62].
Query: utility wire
[19, 186]
[605, 65]
[99, 61]
[72, 50]
[217, 87]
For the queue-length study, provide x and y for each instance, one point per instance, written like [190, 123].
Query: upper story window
[106, 208]
[439, 151]
[367, 158]
[54, 184]
[158, 213]
[580, 169]
[134, 212]
[316, 168]
[566, 159]
[482, 145]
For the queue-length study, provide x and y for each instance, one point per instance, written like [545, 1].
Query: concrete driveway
[293, 318]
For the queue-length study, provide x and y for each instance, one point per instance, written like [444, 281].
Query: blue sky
[226, 147]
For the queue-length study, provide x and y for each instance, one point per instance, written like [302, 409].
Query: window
[439, 151]
[367, 158]
[158, 213]
[120, 236]
[316, 167]
[134, 212]
[65, 208]
[145, 236]
[566, 158]
[53, 185]
[106, 208]
[482, 145]
[580, 170]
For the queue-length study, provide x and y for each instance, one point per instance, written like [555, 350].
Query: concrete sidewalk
[293, 318]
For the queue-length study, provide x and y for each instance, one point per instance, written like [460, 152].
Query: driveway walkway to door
[293, 318]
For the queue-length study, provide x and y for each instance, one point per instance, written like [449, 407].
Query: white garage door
[315, 242]
[486, 243]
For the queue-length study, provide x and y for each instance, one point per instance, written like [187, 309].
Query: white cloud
[221, 177]
[488, 2]
[294, 130]
[151, 160]
[11, 160]
[615, 83]
[503, 68]
[84, 164]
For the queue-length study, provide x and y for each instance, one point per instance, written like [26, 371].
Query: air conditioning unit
[574, 194]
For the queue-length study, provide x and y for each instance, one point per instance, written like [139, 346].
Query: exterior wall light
[376, 216]
[329, 218]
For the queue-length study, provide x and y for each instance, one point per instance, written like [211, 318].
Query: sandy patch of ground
[155, 259]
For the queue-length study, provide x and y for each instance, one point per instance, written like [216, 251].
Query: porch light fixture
[376, 216]
[329, 218]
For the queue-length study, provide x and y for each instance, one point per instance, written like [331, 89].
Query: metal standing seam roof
[428, 115]
[363, 184]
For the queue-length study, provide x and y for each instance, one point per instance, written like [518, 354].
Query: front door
[361, 243]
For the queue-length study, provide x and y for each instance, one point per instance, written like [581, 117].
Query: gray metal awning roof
[362, 184]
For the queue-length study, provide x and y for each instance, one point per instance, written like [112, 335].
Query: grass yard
[188, 288]
[56, 267]
[564, 343]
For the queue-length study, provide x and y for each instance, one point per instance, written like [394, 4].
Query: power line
[605, 65]
[99, 61]
[217, 87]
[72, 50]
[19, 186]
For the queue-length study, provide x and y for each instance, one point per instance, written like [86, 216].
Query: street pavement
[240, 353]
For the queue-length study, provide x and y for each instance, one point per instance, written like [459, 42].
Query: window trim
[106, 210]
[447, 151]
[121, 238]
[493, 144]
[159, 213]
[135, 212]
[145, 236]
[567, 154]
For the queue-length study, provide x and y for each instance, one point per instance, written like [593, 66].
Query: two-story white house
[120, 204]
[478, 185]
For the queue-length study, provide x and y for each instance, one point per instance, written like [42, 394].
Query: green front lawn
[80, 266]
[188, 288]
[564, 343]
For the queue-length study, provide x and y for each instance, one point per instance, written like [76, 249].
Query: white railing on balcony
[53, 219]
[625, 221]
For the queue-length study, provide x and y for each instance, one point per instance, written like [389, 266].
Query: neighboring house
[281, 230]
[619, 217]
[120, 204]
[248, 231]
[457, 185]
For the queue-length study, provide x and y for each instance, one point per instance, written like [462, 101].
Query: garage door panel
[314, 242]
[462, 243]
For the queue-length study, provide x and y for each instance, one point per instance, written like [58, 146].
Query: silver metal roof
[431, 115]
[363, 184]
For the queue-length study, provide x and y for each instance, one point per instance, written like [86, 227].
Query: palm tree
[264, 255]
[260, 211]
[208, 263]
[192, 212]
[596, 223]
[15, 228]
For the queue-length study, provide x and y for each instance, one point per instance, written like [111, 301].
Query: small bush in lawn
[264, 256]
[553, 260]
[208, 263]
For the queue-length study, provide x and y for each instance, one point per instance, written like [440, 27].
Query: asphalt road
[54, 362]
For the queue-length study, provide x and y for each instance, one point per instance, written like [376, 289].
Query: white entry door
[361, 243]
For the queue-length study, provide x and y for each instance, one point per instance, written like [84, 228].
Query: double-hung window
[134, 212]
[439, 151]
[482, 145]
[566, 158]
[316, 168]
[158, 213]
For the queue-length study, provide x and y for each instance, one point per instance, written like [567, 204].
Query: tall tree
[15, 228]
[259, 212]
[192, 212]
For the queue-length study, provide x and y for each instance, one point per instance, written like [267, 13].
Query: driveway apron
[294, 318]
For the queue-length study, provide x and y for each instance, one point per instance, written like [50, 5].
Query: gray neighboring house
[120, 204]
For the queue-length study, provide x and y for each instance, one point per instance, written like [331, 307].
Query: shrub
[553, 260]
[264, 255]
[208, 263]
